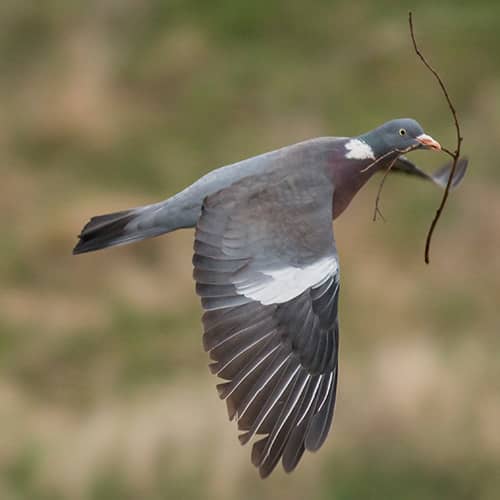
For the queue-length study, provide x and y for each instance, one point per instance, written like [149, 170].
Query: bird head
[402, 135]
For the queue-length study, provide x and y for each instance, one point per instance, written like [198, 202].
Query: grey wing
[266, 269]
[439, 177]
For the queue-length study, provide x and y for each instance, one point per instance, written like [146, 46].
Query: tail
[119, 228]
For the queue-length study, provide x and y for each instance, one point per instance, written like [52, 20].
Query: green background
[104, 390]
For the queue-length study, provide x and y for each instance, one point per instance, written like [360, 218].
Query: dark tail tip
[105, 231]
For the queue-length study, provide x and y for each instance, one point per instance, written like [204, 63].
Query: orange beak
[428, 142]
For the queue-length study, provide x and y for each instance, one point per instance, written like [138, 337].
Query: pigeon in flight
[267, 271]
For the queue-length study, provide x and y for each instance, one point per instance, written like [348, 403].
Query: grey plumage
[266, 270]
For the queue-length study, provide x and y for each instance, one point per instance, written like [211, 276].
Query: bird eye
[402, 131]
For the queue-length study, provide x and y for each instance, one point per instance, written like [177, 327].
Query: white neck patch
[358, 150]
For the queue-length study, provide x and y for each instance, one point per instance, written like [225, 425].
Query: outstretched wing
[266, 269]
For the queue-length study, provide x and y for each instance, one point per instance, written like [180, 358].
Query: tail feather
[117, 228]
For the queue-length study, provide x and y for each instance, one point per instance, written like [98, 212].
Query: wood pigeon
[267, 271]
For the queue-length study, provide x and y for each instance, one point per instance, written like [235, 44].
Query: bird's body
[267, 272]
[319, 156]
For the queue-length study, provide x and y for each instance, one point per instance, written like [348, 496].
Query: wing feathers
[236, 332]
[224, 302]
[295, 447]
[270, 294]
[266, 382]
[287, 378]
[277, 437]
[237, 358]
[320, 423]
[225, 390]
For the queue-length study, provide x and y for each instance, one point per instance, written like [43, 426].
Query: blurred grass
[104, 391]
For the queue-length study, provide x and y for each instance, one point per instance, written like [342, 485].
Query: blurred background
[107, 104]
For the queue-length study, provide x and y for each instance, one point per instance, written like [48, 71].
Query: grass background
[104, 390]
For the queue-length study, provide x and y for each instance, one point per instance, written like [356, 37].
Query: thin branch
[379, 159]
[376, 210]
[448, 152]
[455, 155]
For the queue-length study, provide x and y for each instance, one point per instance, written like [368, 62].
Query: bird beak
[428, 142]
